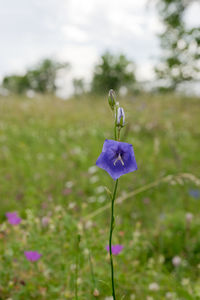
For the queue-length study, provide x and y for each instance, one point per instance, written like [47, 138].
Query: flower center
[120, 159]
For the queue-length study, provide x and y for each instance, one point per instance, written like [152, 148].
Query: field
[48, 150]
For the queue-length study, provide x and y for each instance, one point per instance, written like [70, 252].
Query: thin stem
[115, 127]
[92, 273]
[77, 267]
[110, 238]
[118, 137]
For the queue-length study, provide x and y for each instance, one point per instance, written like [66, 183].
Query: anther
[120, 159]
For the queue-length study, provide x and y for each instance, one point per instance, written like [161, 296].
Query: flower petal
[116, 165]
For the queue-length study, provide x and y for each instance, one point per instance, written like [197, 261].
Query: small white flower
[101, 199]
[52, 227]
[77, 150]
[189, 217]
[154, 286]
[91, 199]
[72, 267]
[161, 259]
[185, 281]
[58, 208]
[176, 261]
[100, 189]
[170, 295]
[88, 224]
[69, 184]
[94, 179]
[79, 280]
[71, 205]
[86, 251]
[92, 170]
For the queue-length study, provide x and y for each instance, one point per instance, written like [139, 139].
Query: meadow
[48, 150]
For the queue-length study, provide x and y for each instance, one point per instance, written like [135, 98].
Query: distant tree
[180, 45]
[16, 84]
[113, 71]
[79, 86]
[41, 78]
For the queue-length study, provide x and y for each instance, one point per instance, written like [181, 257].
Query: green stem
[92, 274]
[76, 279]
[115, 133]
[115, 130]
[77, 267]
[110, 238]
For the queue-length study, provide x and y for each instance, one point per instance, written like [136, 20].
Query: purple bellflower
[13, 218]
[116, 249]
[120, 117]
[117, 158]
[32, 255]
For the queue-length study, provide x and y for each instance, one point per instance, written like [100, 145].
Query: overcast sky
[79, 32]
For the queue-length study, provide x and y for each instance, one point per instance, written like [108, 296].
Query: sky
[79, 32]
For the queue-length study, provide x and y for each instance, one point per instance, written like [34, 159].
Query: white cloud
[145, 71]
[76, 31]
[192, 14]
[82, 58]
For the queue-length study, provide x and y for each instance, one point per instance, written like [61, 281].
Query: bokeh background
[58, 61]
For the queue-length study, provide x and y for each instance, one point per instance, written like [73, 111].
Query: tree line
[178, 63]
[111, 71]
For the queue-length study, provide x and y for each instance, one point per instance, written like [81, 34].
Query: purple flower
[117, 158]
[32, 255]
[116, 249]
[194, 193]
[13, 218]
[45, 221]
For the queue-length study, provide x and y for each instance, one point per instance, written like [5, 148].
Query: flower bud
[111, 99]
[120, 117]
[96, 293]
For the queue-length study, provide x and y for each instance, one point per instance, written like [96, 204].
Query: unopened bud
[111, 99]
[120, 117]
[96, 293]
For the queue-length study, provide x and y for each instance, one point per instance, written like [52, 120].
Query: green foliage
[79, 86]
[180, 45]
[41, 78]
[15, 83]
[47, 151]
[113, 71]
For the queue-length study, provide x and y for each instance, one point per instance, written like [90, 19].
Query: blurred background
[58, 61]
[68, 47]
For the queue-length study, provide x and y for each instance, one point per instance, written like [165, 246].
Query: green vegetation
[47, 152]
[114, 71]
[41, 78]
[180, 45]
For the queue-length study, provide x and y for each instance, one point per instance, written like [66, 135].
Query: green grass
[47, 149]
